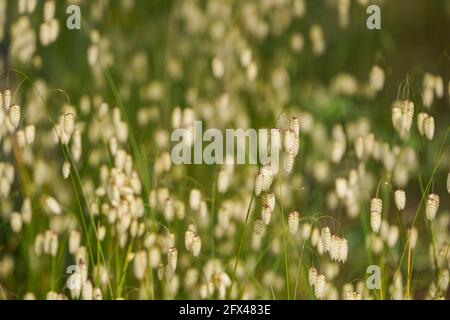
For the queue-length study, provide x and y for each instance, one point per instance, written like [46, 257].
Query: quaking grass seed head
[432, 206]
[325, 235]
[293, 221]
[196, 245]
[14, 115]
[312, 276]
[266, 214]
[400, 199]
[172, 257]
[320, 286]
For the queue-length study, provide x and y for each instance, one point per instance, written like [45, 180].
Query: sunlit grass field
[92, 205]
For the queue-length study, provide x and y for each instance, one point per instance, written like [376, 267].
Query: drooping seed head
[14, 115]
[188, 236]
[428, 127]
[432, 206]
[196, 245]
[266, 214]
[343, 250]
[293, 221]
[172, 257]
[448, 182]
[52, 205]
[319, 287]
[325, 235]
[259, 227]
[335, 248]
[312, 276]
[400, 199]
[267, 174]
[7, 99]
[288, 163]
[270, 200]
[375, 221]
[295, 126]
[420, 122]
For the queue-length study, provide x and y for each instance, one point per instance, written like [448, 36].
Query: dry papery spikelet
[259, 184]
[400, 199]
[14, 115]
[52, 205]
[312, 276]
[295, 126]
[259, 227]
[293, 221]
[74, 241]
[402, 116]
[195, 199]
[196, 245]
[172, 257]
[288, 163]
[266, 214]
[375, 214]
[267, 174]
[269, 200]
[16, 222]
[320, 286]
[428, 127]
[325, 235]
[140, 264]
[338, 249]
[432, 206]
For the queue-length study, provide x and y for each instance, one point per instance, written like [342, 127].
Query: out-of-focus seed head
[312, 276]
[266, 214]
[52, 205]
[172, 257]
[195, 198]
[66, 169]
[320, 286]
[16, 222]
[289, 140]
[140, 264]
[428, 127]
[259, 183]
[325, 235]
[295, 126]
[448, 182]
[259, 227]
[196, 245]
[343, 250]
[335, 247]
[375, 221]
[293, 221]
[14, 115]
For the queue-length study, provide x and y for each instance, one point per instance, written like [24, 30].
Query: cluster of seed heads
[318, 281]
[402, 116]
[337, 247]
